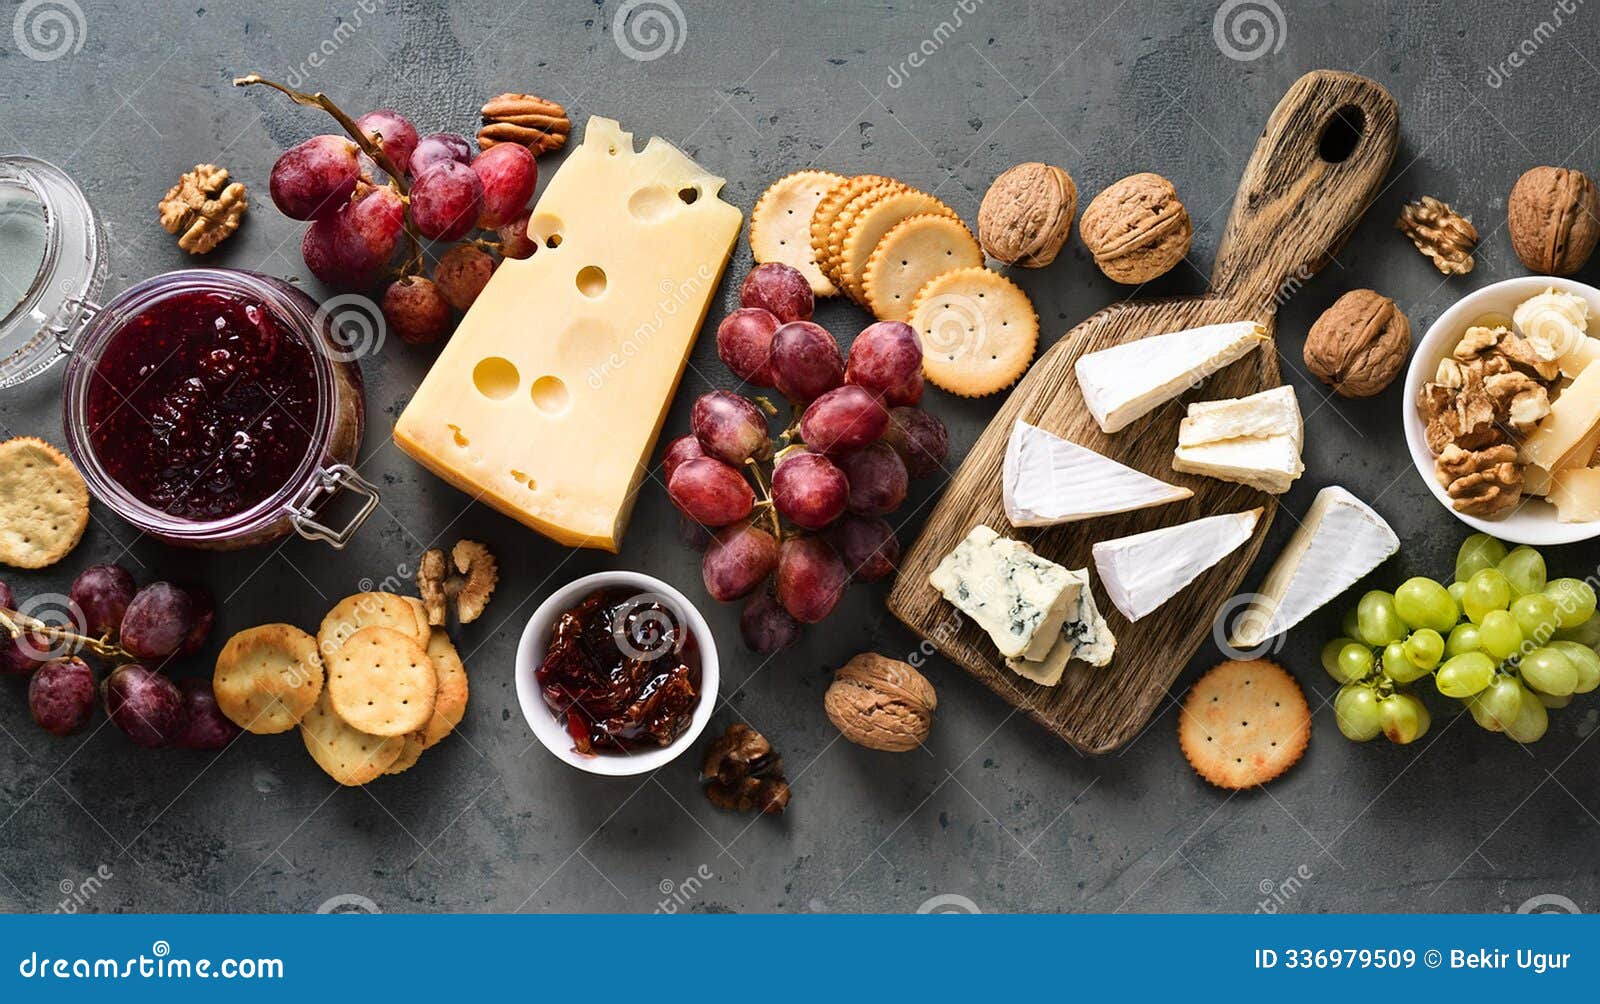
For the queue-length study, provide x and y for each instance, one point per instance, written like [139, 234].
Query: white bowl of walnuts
[1478, 416]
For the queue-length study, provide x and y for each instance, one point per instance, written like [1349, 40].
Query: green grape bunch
[1505, 640]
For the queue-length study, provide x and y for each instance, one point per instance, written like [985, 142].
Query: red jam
[622, 672]
[202, 405]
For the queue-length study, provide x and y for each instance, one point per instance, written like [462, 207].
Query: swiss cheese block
[547, 401]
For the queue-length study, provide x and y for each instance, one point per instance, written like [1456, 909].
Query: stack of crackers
[370, 692]
[906, 256]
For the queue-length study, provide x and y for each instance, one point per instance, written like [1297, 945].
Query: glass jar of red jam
[217, 409]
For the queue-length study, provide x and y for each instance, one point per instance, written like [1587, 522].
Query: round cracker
[780, 224]
[834, 246]
[450, 698]
[410, 753]
[870, 226]
[363, 610]
[1244, 723]
[978, 331]
[44, 504]
[347, 754]
[913, 251]
[828, 210]
[421, 611]
[268, 678]
[382, 682]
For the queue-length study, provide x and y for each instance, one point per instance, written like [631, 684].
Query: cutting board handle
[1317, 167]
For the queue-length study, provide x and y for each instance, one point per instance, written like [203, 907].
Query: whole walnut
[881, 703]
[1554, 219]
[1027, 214]
[1137, 229]
[1359, 344]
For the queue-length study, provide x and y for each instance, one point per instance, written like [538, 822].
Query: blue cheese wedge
[1019, 598]
[1085, 636]
[1127, 381]
[1048, 480]
[1145, 570]
[1340, 540]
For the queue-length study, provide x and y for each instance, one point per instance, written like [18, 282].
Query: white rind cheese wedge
[1085, 636]
[1019, 598]
[1127, 381]
[1049, 480]
[1145, 570]
[1340, 540]
[1270, 464]
[1269, 413]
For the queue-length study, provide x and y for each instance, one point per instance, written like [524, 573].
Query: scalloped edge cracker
[834, 248]
[44, 503]
[828, 210]
[978, 330]
[1244, 723]
[870, 226]
[268, 678]
[915, 250]
[780, 224]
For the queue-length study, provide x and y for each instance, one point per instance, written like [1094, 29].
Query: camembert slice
[1127, 381]
[1274, 412]
[1269, 464]
[1145, 570]
[547, 401]
[1048, 480]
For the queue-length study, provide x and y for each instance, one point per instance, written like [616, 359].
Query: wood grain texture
[1294, 210]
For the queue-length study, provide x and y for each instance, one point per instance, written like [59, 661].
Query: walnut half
[203, 209]
[467, 589]
[745, 773]
[1480, 482]
[1441, 233]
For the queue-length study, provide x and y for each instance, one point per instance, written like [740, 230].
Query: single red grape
[446, 200]
[877, 479]
[509, 176]
[765, 625]
[314, 178]
[439, 148]
[842, 420]
[461, 274]
[919, 438]
[102, 594]
[729, 427]
[780, 290]
[205, 727]
[711, 492]
[866, 545]
[367, 230]
[809, 490]
[744, 343]
[145, 705]
[811, 578]
[157, 621]
[61, 695]
[738, 560]
[805, 361]
[415, 309]
[886, 358]
[685, 447]
[392, 132]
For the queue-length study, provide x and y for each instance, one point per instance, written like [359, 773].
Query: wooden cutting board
[1318, 165]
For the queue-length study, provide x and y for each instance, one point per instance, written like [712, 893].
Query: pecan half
[531, 121]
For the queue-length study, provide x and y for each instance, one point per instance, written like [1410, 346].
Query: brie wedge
[1049, 480]
[1270, 464]
[1269, 413]
[1127, 381]
[1019, 598]
[1085, 636]
[1340, 540]
[1145, 570]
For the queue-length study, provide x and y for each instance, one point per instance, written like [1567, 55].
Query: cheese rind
[1144, 571]
[1340, 540]
[547, 401]
[1048, 480]
[1127, 381]
[1272, 412]
[1019, 598]
[1084, 636]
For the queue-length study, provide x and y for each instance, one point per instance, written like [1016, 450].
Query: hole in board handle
[1341, 134]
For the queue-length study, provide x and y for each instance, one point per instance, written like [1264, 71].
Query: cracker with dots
[868, 228]
[450, 699]
[382, 682]
[978, 331]
[913, 251]
[1244, 723]
[44, 504]
[833, 247]
[363, 610]
[780, 224]
[410, 753]
[268, 678]
[345, 753]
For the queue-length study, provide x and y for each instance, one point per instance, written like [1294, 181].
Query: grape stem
[766, 504]
[16, 624]
[397, 178]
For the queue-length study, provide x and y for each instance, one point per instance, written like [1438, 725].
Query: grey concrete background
[994, 810]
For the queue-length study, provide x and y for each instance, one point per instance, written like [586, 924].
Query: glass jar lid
[52, 265]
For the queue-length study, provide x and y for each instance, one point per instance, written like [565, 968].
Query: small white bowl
[553, 732]
[1534, 520]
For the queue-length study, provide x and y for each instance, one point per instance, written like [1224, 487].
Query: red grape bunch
[361, 198]
[814, 520]
[141, 628]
